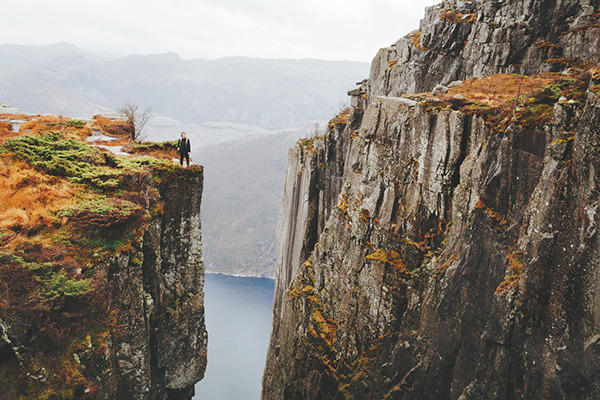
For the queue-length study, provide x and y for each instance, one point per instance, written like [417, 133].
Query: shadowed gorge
[439, 241]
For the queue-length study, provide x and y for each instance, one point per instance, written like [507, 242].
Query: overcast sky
[326, 29]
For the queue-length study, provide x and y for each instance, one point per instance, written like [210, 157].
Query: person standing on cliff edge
[184, 147]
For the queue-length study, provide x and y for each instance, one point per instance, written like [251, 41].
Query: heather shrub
[103, 215]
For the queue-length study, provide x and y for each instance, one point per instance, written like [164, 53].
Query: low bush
[164, 150]
[103, 215]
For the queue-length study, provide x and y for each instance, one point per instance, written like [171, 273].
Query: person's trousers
[187, 158]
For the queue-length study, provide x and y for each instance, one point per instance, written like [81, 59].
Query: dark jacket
[184, 146]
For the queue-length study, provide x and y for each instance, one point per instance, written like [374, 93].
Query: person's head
[183, 135]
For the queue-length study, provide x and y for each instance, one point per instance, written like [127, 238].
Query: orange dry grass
[110, 126]
[5, 126]
[101, 121]
[22, 117]
[6, 131]
[165, 154]
[38, 123]
[496, 90]
[456, 17]
[28, 198]
[415, 38]
[80, 134]
[77, 133]
[117, 142]
[43, 123]
[342, 118]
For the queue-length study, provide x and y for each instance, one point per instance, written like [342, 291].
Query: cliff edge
[101, 269]
[444, 245]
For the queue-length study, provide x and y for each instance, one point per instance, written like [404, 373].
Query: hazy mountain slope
[205, 134]
[272, 94]
[36, 95]
[18, 56]
[244, 181]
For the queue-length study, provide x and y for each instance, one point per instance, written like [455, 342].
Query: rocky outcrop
[101, 270]
[459, 259]
[458, 40]
[160, 351]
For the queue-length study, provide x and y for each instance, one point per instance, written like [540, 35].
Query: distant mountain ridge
[269, 93]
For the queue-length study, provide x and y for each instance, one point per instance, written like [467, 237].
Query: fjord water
[238, 319]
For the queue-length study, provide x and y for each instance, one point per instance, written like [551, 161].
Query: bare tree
[137, 118]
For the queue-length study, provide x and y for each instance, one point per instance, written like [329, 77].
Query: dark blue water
[238, 320]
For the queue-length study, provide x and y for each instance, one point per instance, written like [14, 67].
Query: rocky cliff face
[458, 40]
[160, 350]
[445, 247]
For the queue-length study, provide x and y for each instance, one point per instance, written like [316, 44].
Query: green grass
[79, 162]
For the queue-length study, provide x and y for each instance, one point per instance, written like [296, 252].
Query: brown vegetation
[28, 198]
[455, 16]
[505, 99]
[70, 128]
[415, 39]
[65, 206]
[513, 273]
[341, 119]
[391, 258]
[112, 127]
[163, 150]
[6, 131]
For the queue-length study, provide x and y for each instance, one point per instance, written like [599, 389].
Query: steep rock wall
[160, 352]
[460, 261]
[313, 182]
[459, 40]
